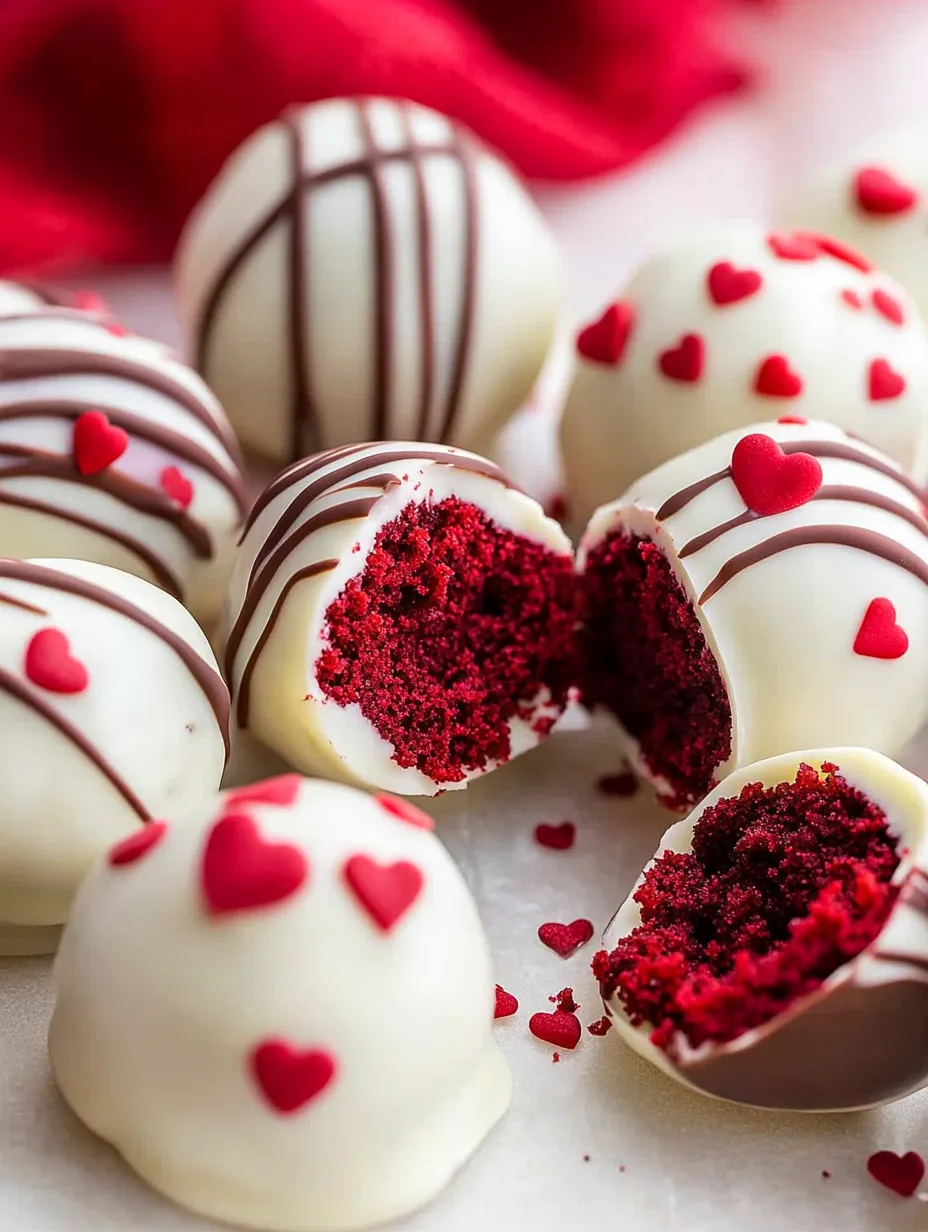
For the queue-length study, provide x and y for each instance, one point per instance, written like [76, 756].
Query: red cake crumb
[644, 657]
[601, 1026]
[555, 1057]
[623, 784]
[453, 628]
[565, 1001]
[783, 885]
[826, 1174]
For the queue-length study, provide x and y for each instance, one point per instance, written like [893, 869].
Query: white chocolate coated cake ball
[280, 1009]
[113, 713]
[732, 325]
[364, 269]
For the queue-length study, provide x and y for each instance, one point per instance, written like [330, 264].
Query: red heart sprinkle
[900, 1173]
[775, 378]
[50, 664]
[624, 784]
[792, 419]
[242, 871]
[565, 939]
[770, 481]
[137, 844]
[884, 382]
[282, 790]
[560, 1029]
[118, 331]
[558, 838]
[176, 486]
[96, 443]
[879, 192]
[888, 307]
[879, 637]
[793, 247]
[404, 811]
[728, 285]
[385, 891]
[841, 252]
[90, 301]
[289, 1077]
[685, 361]
[604, 340]
[852, 299]
[506, 1004]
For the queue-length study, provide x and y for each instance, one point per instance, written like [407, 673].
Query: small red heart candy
[770, 481]
[290, 1078]
[385, 891]
[96, 443]
[50, 664]
[604, 341]
[775, 378]
[560, 1029]
[558, 838]
[795, 247]
[887, 306]
[728, 285]
[565, 939]
[841, 252]
[137, 844]
[883, 382]
[241, 871]
[878, 191]
[402, 810]
[852, 299]
[506, 1003]
[879, 637]
[176, 486]
[282, 790]
[900, 1173]
[685, 361]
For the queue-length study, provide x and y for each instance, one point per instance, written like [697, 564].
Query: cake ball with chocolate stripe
[766, 591]
[364, 269]
[112, 450]
[400, 616]
[775, 950]
[280, 1009]
[113, 713]
[731, 325]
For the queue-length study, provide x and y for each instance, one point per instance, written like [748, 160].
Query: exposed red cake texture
[783, 885]
[452, 629]
[644, 657]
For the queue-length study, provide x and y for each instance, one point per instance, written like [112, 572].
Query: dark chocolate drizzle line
[292, 475]
[20, 603]
[915, 891]
[303, 426]
[803, 536]
[469, 283]
[383, 290]
[424, 258]
[910, 960]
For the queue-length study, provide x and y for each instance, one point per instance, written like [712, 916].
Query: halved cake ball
[731, 325]
[400, 616]
[279, 1010]
[766, 591]
[775, 950]
[113, 712]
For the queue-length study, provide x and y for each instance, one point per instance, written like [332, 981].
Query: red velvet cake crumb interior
[454, 627]
[644, 657]
[783, 885]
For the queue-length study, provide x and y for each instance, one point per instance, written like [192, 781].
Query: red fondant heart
[96, 443]
[852, 299]
[50, 664]
[282, 790]
[560, 1029]
[685, 361]
[841, 252]
[565, 939]
[879, 637]
[883, 382]
[887, 306]
[878, 191]
[728, 285]
[900, 1173]
[176, 486]
[775, 378]
[558, 838]
[404, 811]
[290, 1078]
[241, 871]
[793, 247]
[385, 891]
[137, 844]
[604, 340]
[770, 481]
[506, 1003]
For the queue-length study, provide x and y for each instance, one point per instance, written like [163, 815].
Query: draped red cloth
[116, 114]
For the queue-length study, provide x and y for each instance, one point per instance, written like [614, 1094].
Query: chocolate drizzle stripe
[16, 689]
[424, 260]
[909, 960]
[837, 492]
[303, 427]
[291, 476]
[383, 289]
[807, 536]
[469, 287]
[26, 607]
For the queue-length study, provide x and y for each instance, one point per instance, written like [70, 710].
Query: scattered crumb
[555, 1057]
[586, 1159]
[565, 1001]
[825, 1173]
[621, 1167]
[622, 784]
[603, 1025]
[191, 727]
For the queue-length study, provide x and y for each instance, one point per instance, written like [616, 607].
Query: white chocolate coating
[313, 532]
[83, 769]
[783, 630]
[626, 417]
[57, 364]
[162, 1004]
[899, 955]
[413, 295]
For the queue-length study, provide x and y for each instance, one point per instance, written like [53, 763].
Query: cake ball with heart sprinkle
[765, 591]
[775, 950]
[113, 713]
[280, 1009]
[401, 617]
[730, 326]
